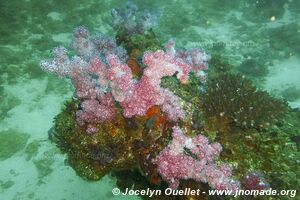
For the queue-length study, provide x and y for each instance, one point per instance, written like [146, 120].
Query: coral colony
[139, 108]
[193, 158]
[101, 80]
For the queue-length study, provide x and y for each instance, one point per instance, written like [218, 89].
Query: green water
[262, 33]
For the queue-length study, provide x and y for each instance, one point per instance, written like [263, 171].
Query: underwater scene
[158, 100]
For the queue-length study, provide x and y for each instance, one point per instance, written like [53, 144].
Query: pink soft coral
[94, 111]
[193, 158]
[98, 72]
[137, 97]
[196, 58]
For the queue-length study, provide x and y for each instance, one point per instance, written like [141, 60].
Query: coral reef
[156, 117]
[234, 99]
[120, 144]
[130, 21]
[134, 30]
[273, 153]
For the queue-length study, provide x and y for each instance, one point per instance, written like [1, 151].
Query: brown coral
[121, 144]
[236, 99]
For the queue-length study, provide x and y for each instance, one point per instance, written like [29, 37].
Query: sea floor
[31, 167]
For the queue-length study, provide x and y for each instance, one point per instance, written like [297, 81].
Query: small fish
[150, 123]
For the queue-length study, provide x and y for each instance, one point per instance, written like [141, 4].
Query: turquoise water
[263, 33]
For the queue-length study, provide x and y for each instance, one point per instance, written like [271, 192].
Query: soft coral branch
[194, 158]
